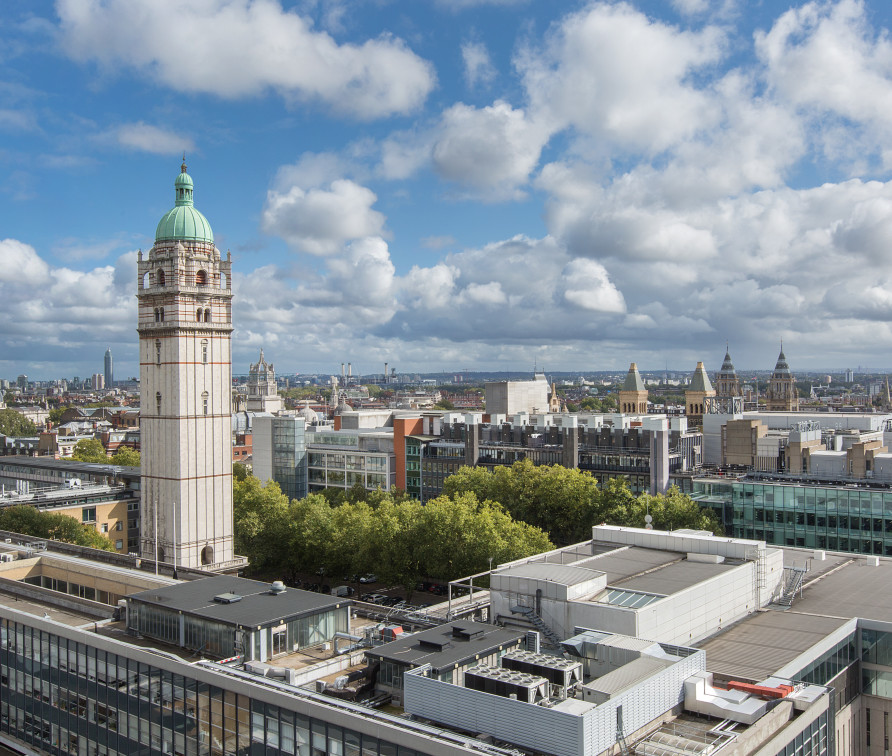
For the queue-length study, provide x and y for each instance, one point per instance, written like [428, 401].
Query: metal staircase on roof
[536, 621]
[792, 585]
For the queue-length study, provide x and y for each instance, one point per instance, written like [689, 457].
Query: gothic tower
[633, 394]
[696, 394]
[782, 396]
[727, 384]
[263, 394]
[185, 321]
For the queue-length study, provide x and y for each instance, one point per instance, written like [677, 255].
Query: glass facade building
[836, 518]
[338, 459]
[280, 453]
[64, 696]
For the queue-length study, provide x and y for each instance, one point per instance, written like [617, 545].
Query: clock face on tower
[185, 323]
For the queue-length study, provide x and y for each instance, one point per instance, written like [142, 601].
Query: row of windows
[811, 539]
[73, 589]
[342, 479]
[829, 664]
[347, 461]
[814, 497]
[205, 398]
[204, 350]
[799, 518]
[201, 316]
[201, 278]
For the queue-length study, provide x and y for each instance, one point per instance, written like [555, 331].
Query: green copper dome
[184, 222]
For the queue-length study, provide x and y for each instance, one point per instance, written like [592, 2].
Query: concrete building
[185, 322]
[650, 451]
[511, 397]
[710, 671]
[821, 480]
[225, 616]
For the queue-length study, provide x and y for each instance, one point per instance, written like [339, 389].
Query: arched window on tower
[207, 316]
[161, 311]
[159, 277]
[158, 403]
[207, 555]
[198, 315]
[201, 278]
[146, 281]
[157, 351]
[204, 351]
[204, 402]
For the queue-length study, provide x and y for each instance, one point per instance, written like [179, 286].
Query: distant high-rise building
[511, 397]
[97, 381]
[109, 373]
[185, 322]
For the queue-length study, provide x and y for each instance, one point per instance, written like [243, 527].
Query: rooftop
[255, 604]
[447, 646]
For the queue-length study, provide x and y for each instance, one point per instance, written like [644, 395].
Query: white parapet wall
[683, 541]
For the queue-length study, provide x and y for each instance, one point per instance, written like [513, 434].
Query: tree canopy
[126, 457]
[566, 502]
[15, 424]
[89, 450]
[60, 527]
[395, 537]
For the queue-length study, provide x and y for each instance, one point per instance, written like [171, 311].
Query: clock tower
[185, 321]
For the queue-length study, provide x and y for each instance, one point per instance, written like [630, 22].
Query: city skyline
[478, 184]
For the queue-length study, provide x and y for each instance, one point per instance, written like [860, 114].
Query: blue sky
[448, 184]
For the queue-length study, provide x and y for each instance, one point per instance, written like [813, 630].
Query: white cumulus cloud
[241, 48]
[320, 221]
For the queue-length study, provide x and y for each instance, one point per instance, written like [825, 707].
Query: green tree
[460, 534]
[671, 511]
[351, 533]
[260, 517]
[13, 423]
[563, 502]
[126, 456]
[29, 521]
[239, 471]
[55, 414]
[374, 390]
[89, 450]
[444, 404]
